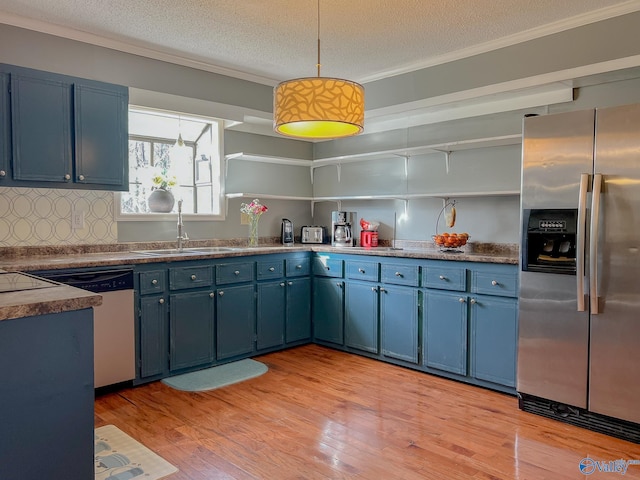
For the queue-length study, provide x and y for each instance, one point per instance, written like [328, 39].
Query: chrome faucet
[182, 235]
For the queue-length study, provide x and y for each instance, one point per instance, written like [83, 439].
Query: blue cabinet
[399, 322]
[271, 314]
[235, 321]
[191, 329]
[5, 131]
[445, 331]
[66, 132]
[328, 310]
[361, 316]
[298, 310]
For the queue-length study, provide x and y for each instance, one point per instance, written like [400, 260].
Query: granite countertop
[52, 258]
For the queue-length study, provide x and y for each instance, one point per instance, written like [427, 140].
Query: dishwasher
[113, 321]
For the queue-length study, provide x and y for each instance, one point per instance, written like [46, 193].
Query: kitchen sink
[186, 251]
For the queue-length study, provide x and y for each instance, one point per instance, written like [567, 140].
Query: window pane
[184, 193]
[204, 194]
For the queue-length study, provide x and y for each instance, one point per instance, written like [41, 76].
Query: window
[179, 153]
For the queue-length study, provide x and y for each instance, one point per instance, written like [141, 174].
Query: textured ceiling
[273, 40]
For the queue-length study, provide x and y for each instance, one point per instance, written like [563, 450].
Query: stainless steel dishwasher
[113, 321]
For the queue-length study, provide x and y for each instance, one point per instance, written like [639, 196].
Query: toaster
[313, 234]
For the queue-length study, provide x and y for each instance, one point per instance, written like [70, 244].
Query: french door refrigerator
[579, 308]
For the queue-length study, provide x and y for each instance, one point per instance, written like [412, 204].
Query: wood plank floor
[323, 414]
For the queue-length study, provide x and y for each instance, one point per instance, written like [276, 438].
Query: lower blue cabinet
[235, 321]
[191, 320]
[298, 310]
[399, 321]
[152, 336]
[494, 336]
[361, 316]
[271, 313]
[328, 310]
[445, 331]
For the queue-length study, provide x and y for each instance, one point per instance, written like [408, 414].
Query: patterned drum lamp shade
[318, 108]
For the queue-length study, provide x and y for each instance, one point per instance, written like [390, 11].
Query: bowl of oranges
[450, 241]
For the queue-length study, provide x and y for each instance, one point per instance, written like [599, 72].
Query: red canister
[368, 238]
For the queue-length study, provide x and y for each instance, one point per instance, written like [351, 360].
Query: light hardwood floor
[323, 414]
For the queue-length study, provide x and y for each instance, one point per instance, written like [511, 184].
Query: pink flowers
[253, 209]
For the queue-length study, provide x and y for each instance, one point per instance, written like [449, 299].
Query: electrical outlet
[244, 219]
[77, 219]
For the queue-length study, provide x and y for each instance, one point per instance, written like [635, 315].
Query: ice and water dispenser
[549, 243]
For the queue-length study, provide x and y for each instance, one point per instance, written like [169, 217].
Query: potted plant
[161, 199]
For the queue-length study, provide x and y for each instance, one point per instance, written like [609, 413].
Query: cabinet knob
[289, 283]
[272, 269]
[398, 274]
[339, 284]
[382, 289]
[442, 277]
[494, 283]
[374, 289]
[81, 178]
[473, 301]
[212, 294]
[282, 284]
[193, 277]
[67, 177]
[3, 173]
[361, 270]
[220, 293]
[237, 272]
[298, 267]
[161, 301]
[154, 282]
[461, 300]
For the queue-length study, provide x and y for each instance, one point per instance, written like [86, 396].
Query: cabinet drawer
[444, 278]
[298, 267]
[360, 270]
[152, 282]
[234, 273]
[190, 277]
[399, 274]
[502, 282]
[270, 269]
[327, 267]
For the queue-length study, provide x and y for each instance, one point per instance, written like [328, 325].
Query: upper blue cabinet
[66, 132]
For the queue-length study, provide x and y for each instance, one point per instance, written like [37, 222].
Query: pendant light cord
[318, 64]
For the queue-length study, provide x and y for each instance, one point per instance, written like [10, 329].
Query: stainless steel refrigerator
[579, 309]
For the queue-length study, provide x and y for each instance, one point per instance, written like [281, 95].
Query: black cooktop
[16, 282]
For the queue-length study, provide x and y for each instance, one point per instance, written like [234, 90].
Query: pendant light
[318, 107]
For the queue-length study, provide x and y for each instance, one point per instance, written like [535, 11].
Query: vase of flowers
[161, 199]
[253, 210]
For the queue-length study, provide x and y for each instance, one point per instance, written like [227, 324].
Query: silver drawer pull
[382, 289]
[339, 284]
[67, 176]
[3, 173]
[193, 277]
[211, 295]
[237, 272]
[81, 178]
[398, 274]
[272, 269]
[299, 267]
[220, 293]
[361, 270]
[461, 300]
[282, 284]
[473, 301]
[442, 277]
[494, 283]
[289, 283]
[154, 282]
[161, 301]
[374, 289]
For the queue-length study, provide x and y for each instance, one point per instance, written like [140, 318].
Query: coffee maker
[342, 229]
[287, 232]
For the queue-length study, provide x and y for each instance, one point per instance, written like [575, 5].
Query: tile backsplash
[42, 216]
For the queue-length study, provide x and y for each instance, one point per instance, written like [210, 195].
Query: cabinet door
[41, 127]
[235, 320]
[328, 310]
[101, 134]
[5, 130]
[493, 339]
[361, 316]
[445, 333]
[271, 312]
[152, 358]
[298, 315]
[191, 320]
[399, 322]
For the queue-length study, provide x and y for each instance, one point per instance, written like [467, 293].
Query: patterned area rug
[216, 377]
[120, 457]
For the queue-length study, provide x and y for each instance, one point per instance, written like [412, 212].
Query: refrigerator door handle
[593, 247]
[580, 240]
